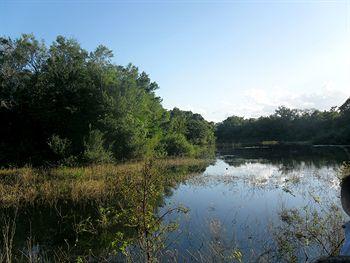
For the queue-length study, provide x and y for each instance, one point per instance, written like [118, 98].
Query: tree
[289, 125]
[63, 93]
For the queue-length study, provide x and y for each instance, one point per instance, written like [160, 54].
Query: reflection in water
[248, 191]
[74, 223]
[263, 204]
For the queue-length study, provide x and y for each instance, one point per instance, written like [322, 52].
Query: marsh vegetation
[232, 209]
[95, 212]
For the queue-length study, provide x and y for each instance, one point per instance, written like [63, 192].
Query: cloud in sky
[323, 81]
[259, 102]
[318, 79]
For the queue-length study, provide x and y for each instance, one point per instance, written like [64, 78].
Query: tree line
[63, 104]
[289, 125]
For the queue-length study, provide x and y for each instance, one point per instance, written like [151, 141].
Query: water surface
[239, 198]
[235, 204]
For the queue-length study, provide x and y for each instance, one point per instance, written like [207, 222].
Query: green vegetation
[289, 125]
[307, 230]
[91, 138]
[102, 182]
[62, 104]
[90, 213]
[66, 105]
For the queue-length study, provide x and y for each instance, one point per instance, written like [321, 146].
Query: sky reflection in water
[242, 197]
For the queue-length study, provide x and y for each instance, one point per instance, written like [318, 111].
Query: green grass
[89, 183]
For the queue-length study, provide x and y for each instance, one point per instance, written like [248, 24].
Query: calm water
[235, 203]
[238, 199]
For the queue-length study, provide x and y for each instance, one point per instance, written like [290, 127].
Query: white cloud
[259, 102]
[319, 80]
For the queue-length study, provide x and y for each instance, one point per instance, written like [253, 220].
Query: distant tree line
[61, 103]
[289, 125]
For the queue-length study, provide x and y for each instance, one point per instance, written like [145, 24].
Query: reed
[28, 185]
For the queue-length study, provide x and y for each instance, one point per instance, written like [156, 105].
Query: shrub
[176, 144]
[95, 151]
[59, 146]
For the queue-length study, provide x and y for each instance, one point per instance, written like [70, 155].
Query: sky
[216, 58]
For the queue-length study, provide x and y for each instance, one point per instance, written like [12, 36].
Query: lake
[265, 204]
[239, 200]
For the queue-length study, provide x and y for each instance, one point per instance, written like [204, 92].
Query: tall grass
[96, 182]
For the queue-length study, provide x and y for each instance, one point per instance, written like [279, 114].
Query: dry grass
[95, 182]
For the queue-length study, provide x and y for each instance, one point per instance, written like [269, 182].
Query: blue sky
[217, 58]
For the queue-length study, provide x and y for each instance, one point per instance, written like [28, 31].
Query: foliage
[289, 125]
[95, 152]
[54, 99]
[59, 146]
[141, 215]
[192, 125]
[309, 233]
[97, 209]
[186, 133]
[176, 144]
[89, 183]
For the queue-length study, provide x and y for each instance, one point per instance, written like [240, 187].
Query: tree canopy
[290, 125]
[64, 104]
[61, 102]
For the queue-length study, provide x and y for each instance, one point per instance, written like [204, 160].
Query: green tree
[63, 91]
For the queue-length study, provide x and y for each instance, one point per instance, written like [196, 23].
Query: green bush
[59, 146]
[95, 151]
[176, 144]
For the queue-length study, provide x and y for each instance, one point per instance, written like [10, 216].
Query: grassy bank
[76, 213]
[111, 213]
[90, 183]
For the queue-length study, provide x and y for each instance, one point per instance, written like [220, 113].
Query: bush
[95, 151]
[60, 147]
[176, 144]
